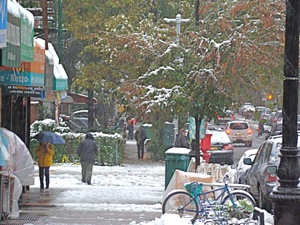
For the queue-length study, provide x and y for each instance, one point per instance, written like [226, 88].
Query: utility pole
[45, 22]
[286, 197]
[59, 28]
[178, 21]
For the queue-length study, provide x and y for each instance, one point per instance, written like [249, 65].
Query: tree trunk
[197, 17]
[91, 109]
[197, 138]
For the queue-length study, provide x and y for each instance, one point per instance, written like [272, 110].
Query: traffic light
[269, 97]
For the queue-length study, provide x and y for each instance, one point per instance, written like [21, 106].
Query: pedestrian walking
[130, 128]
[44, 151]
[181, 140]
[140, 136]
[87, 150]
[260, 129]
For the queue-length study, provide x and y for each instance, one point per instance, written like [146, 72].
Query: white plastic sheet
[16, 165]
[18, 161]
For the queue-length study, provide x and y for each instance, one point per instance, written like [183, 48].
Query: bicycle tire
[181, 203]
[245, 204]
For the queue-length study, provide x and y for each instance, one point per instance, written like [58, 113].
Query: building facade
[28, 72]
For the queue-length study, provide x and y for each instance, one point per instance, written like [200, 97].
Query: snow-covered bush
[111, 146]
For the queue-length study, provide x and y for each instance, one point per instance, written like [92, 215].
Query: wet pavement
[46, 208]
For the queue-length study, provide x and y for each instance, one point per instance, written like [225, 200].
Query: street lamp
[286, 197]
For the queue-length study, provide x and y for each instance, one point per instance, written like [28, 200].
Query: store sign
[20, 76]
[24, 90]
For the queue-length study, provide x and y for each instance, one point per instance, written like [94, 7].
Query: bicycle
[196, 203]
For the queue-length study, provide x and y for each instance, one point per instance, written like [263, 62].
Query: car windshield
[238, 126]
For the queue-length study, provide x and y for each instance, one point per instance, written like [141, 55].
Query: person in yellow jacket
[44, 152]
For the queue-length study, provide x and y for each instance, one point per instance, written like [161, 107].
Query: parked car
[242, 168]
[278, 117]
[79, 120]
[262, 176]
[221, 148]
[264, 115]
[276, 129]
[239, 132]
[259, 109]
[224, 117]
[271, 118]
[246, 107]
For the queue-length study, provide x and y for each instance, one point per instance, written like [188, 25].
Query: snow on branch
[159, 96]
[155, 72]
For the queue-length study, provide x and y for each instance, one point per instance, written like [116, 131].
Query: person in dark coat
[181, 140]
[140, 136]
[130, 128]
[261, 129]
[86, 151]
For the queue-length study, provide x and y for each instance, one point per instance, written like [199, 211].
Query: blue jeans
[44, 171]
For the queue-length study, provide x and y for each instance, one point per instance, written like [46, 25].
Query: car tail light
[270, 177]
[249, 131]
[228, 147]
[227, 131]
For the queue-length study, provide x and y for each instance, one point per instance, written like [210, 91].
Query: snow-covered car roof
[219, 136]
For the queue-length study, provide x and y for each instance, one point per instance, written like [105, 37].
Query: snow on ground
[120, 188]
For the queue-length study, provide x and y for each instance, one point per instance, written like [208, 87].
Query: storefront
[28, 72]
[56, 82]
[17, 82]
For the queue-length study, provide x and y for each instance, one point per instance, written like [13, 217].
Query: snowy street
[130, 194]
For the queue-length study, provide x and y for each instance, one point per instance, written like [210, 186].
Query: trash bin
[176, 158]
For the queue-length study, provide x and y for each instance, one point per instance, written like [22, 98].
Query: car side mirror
[248, 161]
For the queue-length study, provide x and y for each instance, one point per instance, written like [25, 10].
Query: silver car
[239, 132]
[242, 168]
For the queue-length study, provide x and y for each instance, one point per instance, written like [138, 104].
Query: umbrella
[49, 137]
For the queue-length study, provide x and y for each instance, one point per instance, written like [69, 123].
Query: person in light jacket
[44, 152]
[87, 150]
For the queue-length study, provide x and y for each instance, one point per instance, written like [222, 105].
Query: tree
[138, 59]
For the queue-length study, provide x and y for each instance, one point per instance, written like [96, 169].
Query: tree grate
[21, 220]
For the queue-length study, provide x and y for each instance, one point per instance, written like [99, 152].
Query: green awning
[60, 81]
[11, 54]
[27, 34]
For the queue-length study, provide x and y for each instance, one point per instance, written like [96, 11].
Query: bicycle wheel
[181, 203]
[243, 206]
